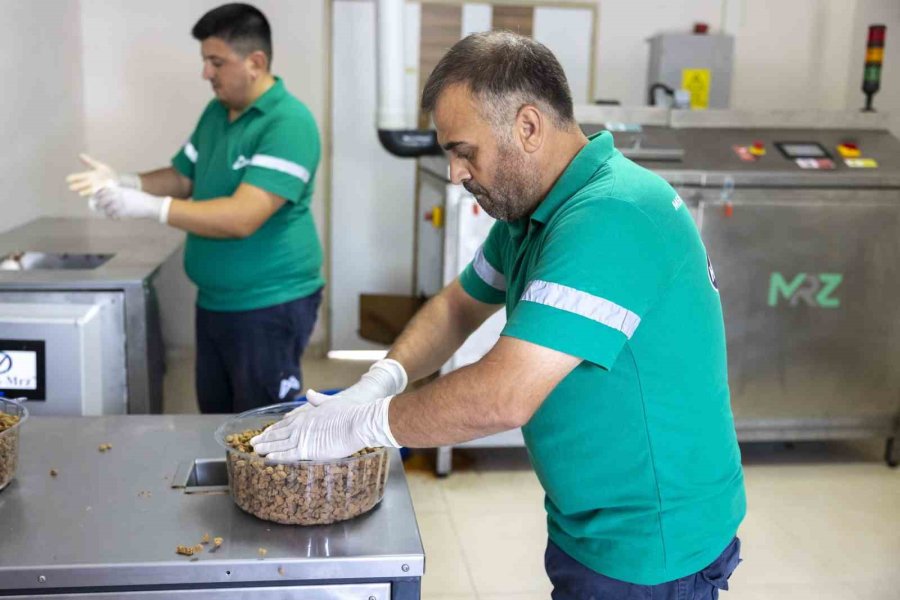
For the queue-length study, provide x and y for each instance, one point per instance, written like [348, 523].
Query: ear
[259, 62]
[530, 128]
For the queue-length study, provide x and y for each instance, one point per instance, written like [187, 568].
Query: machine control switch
[757, 149]
[435, 216]
[849, 150]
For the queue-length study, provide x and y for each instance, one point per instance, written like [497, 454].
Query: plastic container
[305, 492]
[9, 441]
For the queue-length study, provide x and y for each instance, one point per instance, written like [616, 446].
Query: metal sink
[30, 261]
[202, 475]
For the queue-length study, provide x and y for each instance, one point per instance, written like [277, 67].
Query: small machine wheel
[890, 453]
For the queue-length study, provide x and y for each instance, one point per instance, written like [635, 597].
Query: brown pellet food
[304, 493]
[9, 448]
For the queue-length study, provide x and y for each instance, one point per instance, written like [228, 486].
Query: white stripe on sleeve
[581, 303]
[190, 152]
[282, 165]
[488, 273]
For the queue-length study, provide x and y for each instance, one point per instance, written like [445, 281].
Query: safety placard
[697, 82]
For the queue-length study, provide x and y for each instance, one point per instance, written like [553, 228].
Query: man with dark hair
[612, 360]
[241, 187]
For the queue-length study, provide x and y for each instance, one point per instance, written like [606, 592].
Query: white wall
[789, 55]
[143, 93]
[40, 108]
[622, 48]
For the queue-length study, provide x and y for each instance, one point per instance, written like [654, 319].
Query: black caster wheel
[890, 453]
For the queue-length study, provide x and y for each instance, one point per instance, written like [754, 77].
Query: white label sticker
[18, 370]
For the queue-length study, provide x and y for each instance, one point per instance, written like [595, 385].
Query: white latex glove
[124, 203]
[330, 429]
[387, 377]
[101, 175]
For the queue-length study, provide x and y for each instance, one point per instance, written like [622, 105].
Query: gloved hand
[124, 203]
[101, 175]
[387, 377]
[332, 428]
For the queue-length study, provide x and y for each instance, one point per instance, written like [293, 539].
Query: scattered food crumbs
[53, 472]
[198, 549]
[184, 550]
[104, 447]
[218, 541]
[263, 552]
[204, 539]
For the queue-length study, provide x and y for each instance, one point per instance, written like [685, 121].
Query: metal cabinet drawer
[359, 591]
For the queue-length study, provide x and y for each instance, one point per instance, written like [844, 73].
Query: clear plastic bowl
[9, 441]
[305, 492]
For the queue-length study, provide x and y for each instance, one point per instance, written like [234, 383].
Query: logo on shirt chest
[241, 162]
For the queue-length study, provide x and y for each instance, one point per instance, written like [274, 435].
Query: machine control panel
[807, 154]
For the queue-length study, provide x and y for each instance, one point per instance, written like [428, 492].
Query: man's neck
[260, 87]
[568, 145]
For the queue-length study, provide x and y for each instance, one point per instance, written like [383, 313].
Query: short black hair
[244, 27]
[501, 66]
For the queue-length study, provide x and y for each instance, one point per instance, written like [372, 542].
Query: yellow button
[757, 150]
[437, 217]
[848, 151]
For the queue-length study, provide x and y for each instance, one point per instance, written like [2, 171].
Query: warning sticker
[697, 82]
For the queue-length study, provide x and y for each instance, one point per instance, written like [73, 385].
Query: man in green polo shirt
[241, 186]
[612, 359]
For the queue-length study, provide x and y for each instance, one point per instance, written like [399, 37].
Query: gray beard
[516, 189]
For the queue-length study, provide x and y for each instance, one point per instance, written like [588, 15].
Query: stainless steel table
[107, 525]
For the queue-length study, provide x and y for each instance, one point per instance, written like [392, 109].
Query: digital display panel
[22, 369]
[794, 150]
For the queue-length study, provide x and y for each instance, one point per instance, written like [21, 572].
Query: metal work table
[139, 249]
[109, 523]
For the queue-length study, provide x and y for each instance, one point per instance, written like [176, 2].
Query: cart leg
[444, 461]
[890, 452]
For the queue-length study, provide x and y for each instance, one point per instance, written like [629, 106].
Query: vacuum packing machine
[800, 214]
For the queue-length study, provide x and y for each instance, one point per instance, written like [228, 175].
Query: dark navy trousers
[248, 359]
[573, 581]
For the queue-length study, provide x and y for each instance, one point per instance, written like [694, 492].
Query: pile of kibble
[305, 493]
[9, 448]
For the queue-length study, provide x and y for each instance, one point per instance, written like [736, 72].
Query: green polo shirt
[273, 145]
[636, 448]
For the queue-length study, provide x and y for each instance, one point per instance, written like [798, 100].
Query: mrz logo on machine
[818, 291]
[6, 363]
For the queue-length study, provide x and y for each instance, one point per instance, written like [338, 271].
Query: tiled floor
[823, 522]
